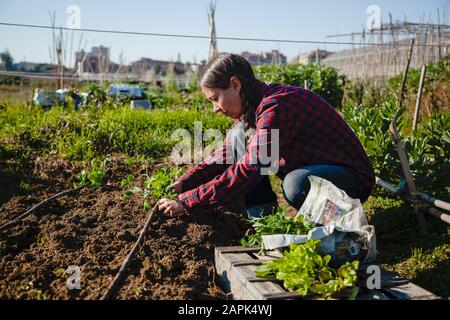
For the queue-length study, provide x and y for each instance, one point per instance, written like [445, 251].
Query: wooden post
[405, 75]
[401, 151]
[439, 34]
[419, 96]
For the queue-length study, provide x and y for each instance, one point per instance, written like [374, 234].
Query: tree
[194, 80]
[7, 60]
[171, 84]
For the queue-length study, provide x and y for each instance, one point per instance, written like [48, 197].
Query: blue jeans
[296, 187]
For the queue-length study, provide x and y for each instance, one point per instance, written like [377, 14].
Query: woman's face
[226, 101]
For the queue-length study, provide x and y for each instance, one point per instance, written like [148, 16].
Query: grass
[27, 131]
[401, 248]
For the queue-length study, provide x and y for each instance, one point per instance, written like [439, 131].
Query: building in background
[96, 61]
[274, 57]
[158, 66]
[315, 56]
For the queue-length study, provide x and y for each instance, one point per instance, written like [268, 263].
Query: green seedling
[160, 182]
[127, 181]
[304, 270]
[277, 223]
[157, 186]
[93, 177]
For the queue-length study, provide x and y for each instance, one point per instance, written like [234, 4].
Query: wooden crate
[236, 269]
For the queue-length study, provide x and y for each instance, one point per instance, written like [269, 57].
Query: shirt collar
[261, 89]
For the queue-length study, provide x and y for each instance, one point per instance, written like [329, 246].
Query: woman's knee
[296, 186]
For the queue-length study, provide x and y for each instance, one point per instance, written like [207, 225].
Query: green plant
[36, 293]
[277, 223]
[157, 185]
[27, 132]
[25, 186]
[125, 182]
[93, 177]
[59, 272]
[427, 148]
[372, 93]
[323, 80]
[159, 182]
[131, 191]
[304, 270]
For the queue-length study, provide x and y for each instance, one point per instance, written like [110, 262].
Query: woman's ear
[235, 83]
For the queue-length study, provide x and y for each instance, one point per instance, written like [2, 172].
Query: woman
[313, 140]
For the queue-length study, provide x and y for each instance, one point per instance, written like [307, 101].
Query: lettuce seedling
[277, 223]
[304, 270]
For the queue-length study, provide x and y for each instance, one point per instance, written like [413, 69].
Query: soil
[95, 229]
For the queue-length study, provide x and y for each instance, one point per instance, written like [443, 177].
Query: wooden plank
[236, 268]
[270, 255]
[403, 289]
[389, 279]
[410, 291]
[237, 249]
[282, 295]
[395, 287]
[247, 262]
[259, 289]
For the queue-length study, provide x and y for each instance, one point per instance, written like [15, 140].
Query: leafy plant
[372, 93]
[157, 185]
[427, 148]
[277, 223]
[93, 177]
[125, 182]
[304, 270]
[131, 191]
[323, 80]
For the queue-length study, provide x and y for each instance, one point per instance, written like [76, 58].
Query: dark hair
[218, 73]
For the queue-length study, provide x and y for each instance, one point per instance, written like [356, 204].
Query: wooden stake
[401, 151]
[419, 96]
[405, 75]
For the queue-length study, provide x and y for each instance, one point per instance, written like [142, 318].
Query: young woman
[313, 139]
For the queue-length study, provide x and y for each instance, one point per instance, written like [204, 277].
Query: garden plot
[95, 229]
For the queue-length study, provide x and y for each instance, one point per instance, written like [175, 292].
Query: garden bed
[95, 229]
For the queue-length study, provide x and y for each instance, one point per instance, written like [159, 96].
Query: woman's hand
[176, 187]
[172, 208]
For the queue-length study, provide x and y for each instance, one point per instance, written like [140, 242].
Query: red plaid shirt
[311, 132]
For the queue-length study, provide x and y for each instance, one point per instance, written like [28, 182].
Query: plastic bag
[342, 226]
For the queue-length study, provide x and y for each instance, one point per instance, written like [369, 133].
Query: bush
[323, 80]
[427, 148]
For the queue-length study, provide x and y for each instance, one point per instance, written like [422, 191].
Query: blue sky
[281, 19]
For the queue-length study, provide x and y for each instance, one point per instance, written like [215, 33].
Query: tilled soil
[94, 229]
